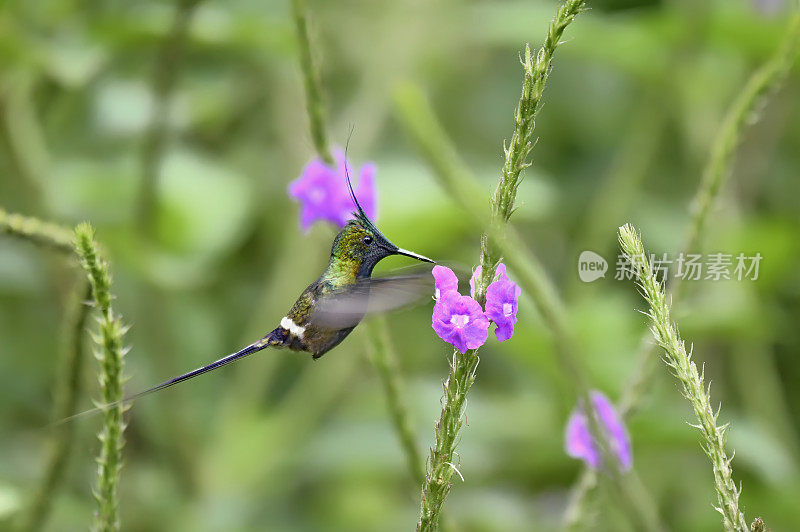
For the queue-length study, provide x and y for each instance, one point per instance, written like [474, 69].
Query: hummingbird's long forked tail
[274, 338]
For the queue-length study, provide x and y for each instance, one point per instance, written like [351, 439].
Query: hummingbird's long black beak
[401, 251]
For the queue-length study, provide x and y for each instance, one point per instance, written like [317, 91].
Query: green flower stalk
[110, 354]
[39, 232]
[22, 136]
[442, 463]
[384, 357]
[762, 83]
[742, 112]
[60, 239]
[385, 360]
[311, 81]
[68, 388]
[416, 115]
[536, 74]
[678, 359]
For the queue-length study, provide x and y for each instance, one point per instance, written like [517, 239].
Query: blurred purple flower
[579, 442]
[501, 301]
[459, 320]
[444, 281]
[768, 7]
[322, 190]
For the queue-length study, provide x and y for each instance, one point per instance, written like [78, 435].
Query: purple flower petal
[618, 435]
[499, 273]
[579, 443]
[444, 280]
[322, 191]
[459, 320]
[501, 305]
[474, 279]
[313, 190]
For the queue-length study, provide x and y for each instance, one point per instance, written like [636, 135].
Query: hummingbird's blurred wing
[345, 308]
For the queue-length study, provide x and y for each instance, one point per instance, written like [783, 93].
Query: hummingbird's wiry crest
[359, 213]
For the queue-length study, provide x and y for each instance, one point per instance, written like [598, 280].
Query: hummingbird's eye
[367, 240]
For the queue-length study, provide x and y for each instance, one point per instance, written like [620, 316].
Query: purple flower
[579, 442]
[501, 305]
[444, 281]
[459, 320]
[768, 7]
[323, 192]
[501, 301]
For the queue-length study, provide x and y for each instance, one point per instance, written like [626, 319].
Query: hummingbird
[335, 303]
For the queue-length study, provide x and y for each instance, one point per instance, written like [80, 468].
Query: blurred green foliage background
[280, 443]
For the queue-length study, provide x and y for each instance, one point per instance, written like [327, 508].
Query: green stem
[628, 169]
[22, 137]
[678, 359]
[424, 130]
[384, 357]
[57, 238]
[576, 515]
[385, 361]
[314, 104]
[67, 389]
[418, 118]
[442, 462]
[761, 84]
[742, 113]
[168, 64]
[416, 115]
[110, 354]
[155, 140]
[39, 232]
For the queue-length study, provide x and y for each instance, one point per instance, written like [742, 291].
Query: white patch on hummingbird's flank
[292, 327]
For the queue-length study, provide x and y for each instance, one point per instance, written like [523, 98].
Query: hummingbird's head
[362, 245]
